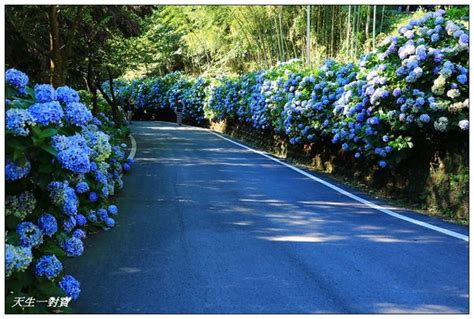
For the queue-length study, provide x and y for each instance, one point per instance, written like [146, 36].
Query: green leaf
[14, 143]
[9, 92]
[36, 131]
[48, 132]
[51, 150]
[51, 247]
[30, 92]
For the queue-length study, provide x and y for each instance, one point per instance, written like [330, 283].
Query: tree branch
[30, 41]
[72, 32]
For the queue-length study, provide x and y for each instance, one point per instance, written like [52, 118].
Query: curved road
[206, 226]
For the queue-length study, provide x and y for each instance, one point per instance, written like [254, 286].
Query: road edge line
[133, 150]
[348, 194]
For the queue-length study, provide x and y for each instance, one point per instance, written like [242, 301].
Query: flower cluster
[70, 286]
[15, 171]
[17, 258]
[48, 266]
[45, 93]
[47, 113]
[48, 224]
[416, 82]
[73, 152]
[77, 113]
[17, 121]
[17, 80]
[64, 197]
[20, 205]
[30, 234]
[62, 165]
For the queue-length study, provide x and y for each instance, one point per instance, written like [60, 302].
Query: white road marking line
[133, 151]
[346, 193]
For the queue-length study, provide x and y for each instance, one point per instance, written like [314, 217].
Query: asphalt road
[208, 227]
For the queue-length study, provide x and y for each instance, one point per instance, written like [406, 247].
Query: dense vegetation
[62, 166]
[415, 83]
[410, 95]
[377, 83]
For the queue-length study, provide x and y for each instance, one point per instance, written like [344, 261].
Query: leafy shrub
[413, 87]
[62, 166]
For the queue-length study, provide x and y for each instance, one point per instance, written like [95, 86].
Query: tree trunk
[348, 32]
[367, 35]
[67, 47]
[373, 28]
[281, 35]
[332, 31]
[381, 19]
[308, 35]
[115, 111]
[56, 66]
[90, 85]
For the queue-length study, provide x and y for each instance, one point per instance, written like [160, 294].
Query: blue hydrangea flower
[462, 78]
[435, 37]
[464, 39]
[48, 266]
[421, 53]
[126, 167]
[9, 259]
[464, 125]
[64, 196]
[44, 93]
[110, 222]
[30, 234]
[374, 120]
[14, 172]
[17, 121]
[100, 177]
[93, 166]
[105, 191]
[98, 142]
[79, 234]
[69, 224]
[382, 164]
[82, 187]
[113, 209]
[96, 121]
[420, 101]
[93, 197]
[397, 92]
[118, 153]
[17, 258]
[81, 220]
[425, 118]
[102, 213]
[73, 152]
[48, 224]
[67, 95]
[385, 138]
[46, 113]
[74, 159]
[73, 247]
[16, 79]
[20, 205]
[78, 114]
[92, 216]
[70, 286]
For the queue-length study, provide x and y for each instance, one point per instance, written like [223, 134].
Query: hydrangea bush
[62, 166]
[414, 86]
